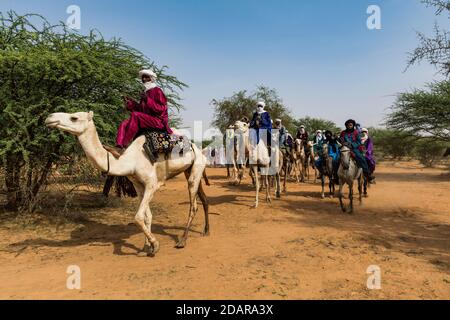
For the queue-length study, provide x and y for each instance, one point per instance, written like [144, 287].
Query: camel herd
[148, 177]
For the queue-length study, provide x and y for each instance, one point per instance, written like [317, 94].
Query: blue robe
[261, 121]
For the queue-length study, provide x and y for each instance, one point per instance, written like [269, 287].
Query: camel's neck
[90, 142]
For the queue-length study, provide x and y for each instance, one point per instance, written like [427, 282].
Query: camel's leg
[360, 187]
[254, 169]
[296, 171]
[250, 173]
[194, 176]
[304, 170]
[323, 186]
[365, 187]
[350, 195]
[331, 185]
[204, 199]
[236, 174]
[241, 173]
[143, 218]
[341, 202]
[278, 185]
[266, 180]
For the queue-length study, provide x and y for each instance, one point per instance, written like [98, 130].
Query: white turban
[148, 72]
[261, 103]
[364, 136]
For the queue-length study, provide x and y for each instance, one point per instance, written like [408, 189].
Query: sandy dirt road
[299, 247]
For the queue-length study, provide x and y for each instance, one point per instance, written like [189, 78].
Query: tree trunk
[12, 174]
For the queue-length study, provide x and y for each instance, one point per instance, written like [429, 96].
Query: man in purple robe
[150, 113]
[368, 143]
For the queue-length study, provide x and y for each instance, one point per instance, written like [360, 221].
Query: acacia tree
[243, 104]
[425, 113]
[48, 68]
[435, 50]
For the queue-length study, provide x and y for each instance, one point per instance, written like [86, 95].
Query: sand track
[299, 247]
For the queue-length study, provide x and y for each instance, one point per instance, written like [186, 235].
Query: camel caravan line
[148, 171]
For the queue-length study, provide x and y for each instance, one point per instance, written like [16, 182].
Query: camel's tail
[123, 187]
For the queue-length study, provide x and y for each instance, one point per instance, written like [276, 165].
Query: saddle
[160, 142]
[157, 142]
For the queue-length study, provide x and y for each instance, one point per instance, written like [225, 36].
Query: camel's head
[241, 126]
[325, 150]
[345, 156]
[73, 123]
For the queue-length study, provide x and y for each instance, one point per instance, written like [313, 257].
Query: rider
[353, 138]
[302, 134]
[368, 144]
[260, 121]
[318, 142]
[283, 136]
[333, 152]
[318, 138]
[150, 113]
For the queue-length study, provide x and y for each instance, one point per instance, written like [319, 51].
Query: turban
[261, 103]
[350, 121]
[148, 72]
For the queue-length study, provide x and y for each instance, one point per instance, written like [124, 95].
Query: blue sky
[318, 54]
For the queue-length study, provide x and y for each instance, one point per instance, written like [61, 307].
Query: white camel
[259, 158]
[134, 164]
[348, 172]
[298, 160]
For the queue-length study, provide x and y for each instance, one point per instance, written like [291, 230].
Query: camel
[298, 160]
[327, 171]
[259, 158]
[136, 166]
[238, 143]
[348, 172]
[310, 160]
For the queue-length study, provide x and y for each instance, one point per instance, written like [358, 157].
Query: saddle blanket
[158, 142]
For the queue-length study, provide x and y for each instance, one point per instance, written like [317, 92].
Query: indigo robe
[369, 154]
[354, 138]
[261, 121]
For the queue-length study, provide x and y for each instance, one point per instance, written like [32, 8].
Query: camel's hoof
[149, 250]
[206, 233]
[154, 248]
[366, 195]
[181, 244]
[331, 196]
[278, 195]
[322, 196]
